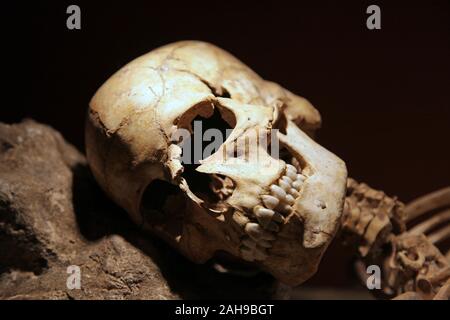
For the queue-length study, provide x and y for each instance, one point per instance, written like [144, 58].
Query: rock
[53, 215]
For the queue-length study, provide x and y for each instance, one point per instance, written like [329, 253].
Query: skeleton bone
[416, 269]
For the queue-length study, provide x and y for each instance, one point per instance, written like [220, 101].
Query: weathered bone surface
[413, 268]
[279, 213]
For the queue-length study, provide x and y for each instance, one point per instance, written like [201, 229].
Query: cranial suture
[278, 212]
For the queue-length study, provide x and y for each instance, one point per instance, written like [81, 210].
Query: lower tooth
[249, 243]
[256, 232]
[260, 254]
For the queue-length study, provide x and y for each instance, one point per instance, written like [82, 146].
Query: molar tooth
[300, 177]
[278, 192]
[294, 193]
[263, 215]
[270, 201]
[285, 186]
[257, 233]
[290, 199]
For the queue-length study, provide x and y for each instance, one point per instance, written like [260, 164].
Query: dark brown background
[384, 95]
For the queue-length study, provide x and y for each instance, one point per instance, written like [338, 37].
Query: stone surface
[53, 215]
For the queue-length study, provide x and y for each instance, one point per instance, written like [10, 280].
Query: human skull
[277, 212]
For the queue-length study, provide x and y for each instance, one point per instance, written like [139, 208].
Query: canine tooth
[257, 233]
[290, 199]
[294, 193]
[278, 192]
[287, 179]
[285, 186]
[263, 215]
[270, 201]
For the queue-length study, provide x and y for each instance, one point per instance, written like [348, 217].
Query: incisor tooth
[278, 192]
[270, 201]
[284, 185]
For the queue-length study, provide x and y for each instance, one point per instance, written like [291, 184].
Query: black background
[384, 95]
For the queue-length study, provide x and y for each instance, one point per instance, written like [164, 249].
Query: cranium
[279, 213]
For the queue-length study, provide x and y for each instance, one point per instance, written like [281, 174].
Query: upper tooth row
[280, 200]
